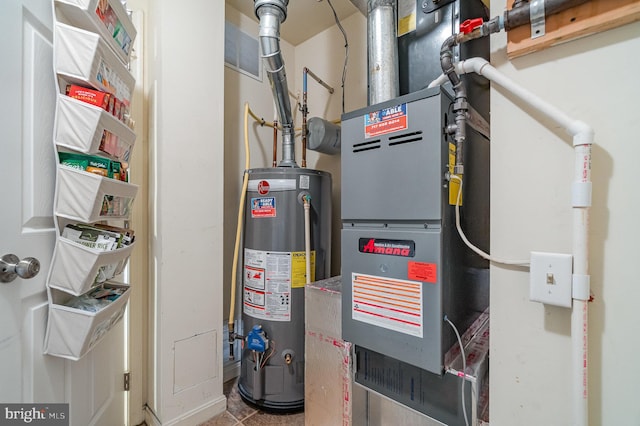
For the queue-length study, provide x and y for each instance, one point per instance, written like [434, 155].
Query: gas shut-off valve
[257, 339]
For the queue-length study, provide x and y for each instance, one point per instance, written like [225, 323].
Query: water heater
[274, 269]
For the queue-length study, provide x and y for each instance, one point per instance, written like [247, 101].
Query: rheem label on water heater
[267, 285]
[387, 302]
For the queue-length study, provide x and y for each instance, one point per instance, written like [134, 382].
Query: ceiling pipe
[271, 14]
[382, 50]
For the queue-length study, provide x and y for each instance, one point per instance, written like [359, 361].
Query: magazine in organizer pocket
[88, 197]
[73, 328]
[76, 268]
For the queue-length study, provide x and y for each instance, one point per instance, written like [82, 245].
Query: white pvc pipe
[307, 238]
[582, 135]
[581, 293]
[442, 79]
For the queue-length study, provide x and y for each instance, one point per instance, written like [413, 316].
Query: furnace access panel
[403, 263]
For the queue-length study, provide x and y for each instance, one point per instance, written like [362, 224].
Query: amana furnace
[404, 266]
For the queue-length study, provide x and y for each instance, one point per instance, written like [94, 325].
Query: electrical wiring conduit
[583, 137]
[236, 250]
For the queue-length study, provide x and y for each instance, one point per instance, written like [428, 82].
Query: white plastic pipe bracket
[581, 287]
[581, 194]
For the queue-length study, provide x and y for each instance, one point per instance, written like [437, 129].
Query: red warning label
[421, 271]
[263, 207]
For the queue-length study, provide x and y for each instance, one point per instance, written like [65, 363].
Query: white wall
[324, 54]
[593, 79]
[186, 85]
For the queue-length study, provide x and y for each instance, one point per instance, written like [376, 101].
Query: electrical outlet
[550, 280]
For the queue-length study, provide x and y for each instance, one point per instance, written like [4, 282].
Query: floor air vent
[405, 138]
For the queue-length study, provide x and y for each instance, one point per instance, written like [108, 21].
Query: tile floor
[239, 413]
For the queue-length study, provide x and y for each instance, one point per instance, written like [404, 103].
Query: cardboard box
[90, 96]
[327, 396]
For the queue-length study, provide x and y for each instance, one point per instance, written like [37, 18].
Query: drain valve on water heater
[288, 356]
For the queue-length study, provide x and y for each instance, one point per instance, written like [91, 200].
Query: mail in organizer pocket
[78, 323]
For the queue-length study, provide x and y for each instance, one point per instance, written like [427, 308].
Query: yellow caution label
[406, 24]
[454, 184]
[406, 10]
[299, 268]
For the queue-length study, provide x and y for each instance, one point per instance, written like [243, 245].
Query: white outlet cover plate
[550, 279]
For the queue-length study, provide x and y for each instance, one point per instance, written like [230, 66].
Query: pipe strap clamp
[581, 194]
[536, 13]
[581, 289]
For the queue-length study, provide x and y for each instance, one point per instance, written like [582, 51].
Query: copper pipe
[304, 128]
[275, 143]
[322, 83]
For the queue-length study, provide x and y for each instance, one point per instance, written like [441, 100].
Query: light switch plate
[550, 278]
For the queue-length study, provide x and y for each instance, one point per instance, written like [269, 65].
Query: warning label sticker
[406, 16]
[267, 284]
[421, 271]
[299, 268]
[389, 303]
[385, 121]
[454, 184]
[263, 207]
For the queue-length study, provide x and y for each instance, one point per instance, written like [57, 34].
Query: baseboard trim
[190, 418]
[150, 417]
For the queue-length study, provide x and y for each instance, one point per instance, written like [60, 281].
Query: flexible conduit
[236, 251]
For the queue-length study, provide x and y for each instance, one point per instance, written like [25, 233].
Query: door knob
[11, 267]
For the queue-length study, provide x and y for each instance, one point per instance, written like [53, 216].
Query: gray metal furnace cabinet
[404, 266]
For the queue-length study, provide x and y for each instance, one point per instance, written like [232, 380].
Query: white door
[93, 386]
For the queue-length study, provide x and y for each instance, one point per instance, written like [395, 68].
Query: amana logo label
[403, 248]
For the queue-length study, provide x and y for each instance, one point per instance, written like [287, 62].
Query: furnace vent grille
[405, 138]
[366, 146]
[392, 141]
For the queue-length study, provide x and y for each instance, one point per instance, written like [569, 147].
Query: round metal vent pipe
[382, 50]
[271, 14]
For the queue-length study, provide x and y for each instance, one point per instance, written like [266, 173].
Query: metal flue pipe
[271, 14]
[382, 51]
